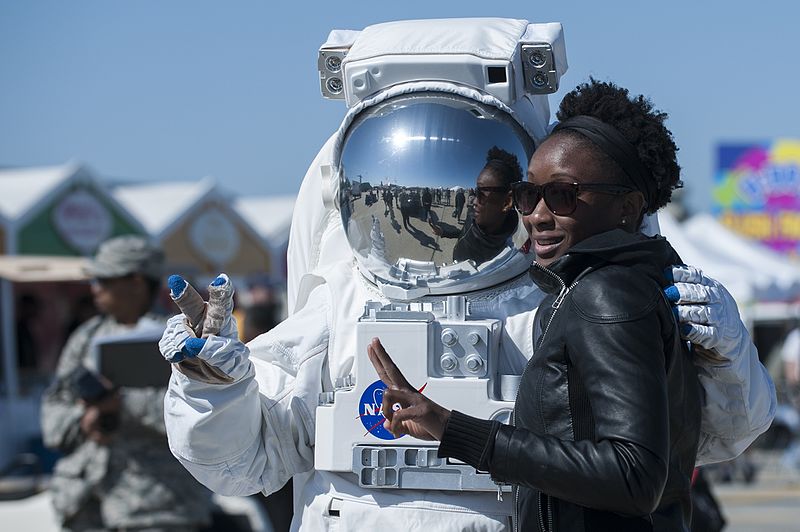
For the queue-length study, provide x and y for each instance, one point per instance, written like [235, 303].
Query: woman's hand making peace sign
[407, 411]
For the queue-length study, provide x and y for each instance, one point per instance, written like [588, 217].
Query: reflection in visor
[425, 187]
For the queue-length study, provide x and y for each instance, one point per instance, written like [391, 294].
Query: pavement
[770, 504]
[416, 234]
[31, 513]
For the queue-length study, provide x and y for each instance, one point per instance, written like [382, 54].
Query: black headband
[615, 145]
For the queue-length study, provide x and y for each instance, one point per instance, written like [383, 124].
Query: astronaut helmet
[435, 136]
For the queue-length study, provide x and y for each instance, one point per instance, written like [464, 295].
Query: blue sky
[150, 90]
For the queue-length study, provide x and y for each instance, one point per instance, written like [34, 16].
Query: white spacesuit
[428, 100]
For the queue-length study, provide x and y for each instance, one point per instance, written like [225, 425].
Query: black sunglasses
[560, 198]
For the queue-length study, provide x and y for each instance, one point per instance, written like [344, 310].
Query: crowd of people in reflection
[480, 218]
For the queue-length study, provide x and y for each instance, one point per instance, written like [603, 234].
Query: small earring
[624, 221]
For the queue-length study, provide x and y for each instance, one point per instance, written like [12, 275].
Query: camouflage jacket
[135, 479]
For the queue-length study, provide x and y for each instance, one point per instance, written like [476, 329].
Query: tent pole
[9, 340]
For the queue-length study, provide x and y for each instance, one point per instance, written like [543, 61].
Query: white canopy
[777, 279]
[732, 275]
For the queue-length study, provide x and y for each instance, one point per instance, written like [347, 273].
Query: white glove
[203, 341]
[707, 313]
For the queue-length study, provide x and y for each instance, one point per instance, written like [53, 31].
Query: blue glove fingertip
[668, 275]
[675, 313]
[685, 329]
[176, 285]
[193, 346]
[672, 293]
[219, 281]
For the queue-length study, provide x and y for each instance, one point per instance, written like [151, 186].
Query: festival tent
[736, 279]
[782, 279]
[762, 296]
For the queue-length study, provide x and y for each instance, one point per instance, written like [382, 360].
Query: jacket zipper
[556, 305]
[549, 507]
[539, 511]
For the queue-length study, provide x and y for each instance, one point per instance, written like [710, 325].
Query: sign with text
[757, 192]
[82, 221]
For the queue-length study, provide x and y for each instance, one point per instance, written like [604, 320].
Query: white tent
[160, 206]
[737, 279]
[778, 279]
[765, 285]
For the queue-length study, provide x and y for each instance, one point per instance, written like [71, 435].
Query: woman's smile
[546, 246]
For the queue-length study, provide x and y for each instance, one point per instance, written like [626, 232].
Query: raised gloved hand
[707, 313]
[198, 340]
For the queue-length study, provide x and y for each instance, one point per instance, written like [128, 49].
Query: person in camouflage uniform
[117, 472]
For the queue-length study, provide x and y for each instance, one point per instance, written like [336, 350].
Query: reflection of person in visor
[461, 199]
[493, 219]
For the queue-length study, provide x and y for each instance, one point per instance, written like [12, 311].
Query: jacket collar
[509, 226]
[650, 255]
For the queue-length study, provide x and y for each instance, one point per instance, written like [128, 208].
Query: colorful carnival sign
[757, 192]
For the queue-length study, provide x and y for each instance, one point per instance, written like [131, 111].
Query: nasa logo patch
[370, 412]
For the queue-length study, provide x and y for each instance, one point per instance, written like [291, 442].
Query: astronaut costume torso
[427, 100]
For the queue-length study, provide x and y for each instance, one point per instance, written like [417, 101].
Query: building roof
[270, 216]
[24, 188]
[159, 206]
[26, 191]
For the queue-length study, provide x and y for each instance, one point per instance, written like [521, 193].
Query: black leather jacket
[607, 418]
[474, 243]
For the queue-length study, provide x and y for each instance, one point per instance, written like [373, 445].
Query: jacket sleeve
[60, 416]
[256, 432]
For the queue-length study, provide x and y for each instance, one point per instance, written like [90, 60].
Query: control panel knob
[473, 338]
[474, 363]
[449, 337]
[449, 362]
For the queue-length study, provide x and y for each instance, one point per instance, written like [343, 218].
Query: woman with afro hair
[607, 419]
